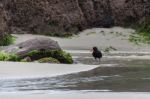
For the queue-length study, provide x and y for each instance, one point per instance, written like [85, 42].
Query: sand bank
[29, 70]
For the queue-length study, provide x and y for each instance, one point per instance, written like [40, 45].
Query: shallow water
[113, 75]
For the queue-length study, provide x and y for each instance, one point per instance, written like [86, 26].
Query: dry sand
[116, 37]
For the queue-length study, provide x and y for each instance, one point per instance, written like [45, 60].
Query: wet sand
[74, 95]
[33, 70]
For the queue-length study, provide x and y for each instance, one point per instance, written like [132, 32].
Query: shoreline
[19, 70]
[82, 43]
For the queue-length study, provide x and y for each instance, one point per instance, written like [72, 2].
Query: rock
[48, 60]
[26, 59]
[3, 25]
[46, 17]
[114, 12]
[64, 16]
[39, 43]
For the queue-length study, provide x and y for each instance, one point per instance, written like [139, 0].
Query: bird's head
[95, 48]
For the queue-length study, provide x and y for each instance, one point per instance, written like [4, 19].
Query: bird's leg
[95, 59]
[99, 60]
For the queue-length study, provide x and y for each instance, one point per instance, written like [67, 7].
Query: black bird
[96, 53]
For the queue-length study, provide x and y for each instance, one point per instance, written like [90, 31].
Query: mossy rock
[60, 55]
[48, 60]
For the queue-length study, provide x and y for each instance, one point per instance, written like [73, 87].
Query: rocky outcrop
[127, 12]
[65, 16]
[39, 43]
[44, 16]
[3, 22]
[115, 12]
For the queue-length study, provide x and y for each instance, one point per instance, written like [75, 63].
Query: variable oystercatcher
[96, 53]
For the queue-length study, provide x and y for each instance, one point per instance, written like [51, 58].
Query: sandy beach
[82, 43]
[116, 37]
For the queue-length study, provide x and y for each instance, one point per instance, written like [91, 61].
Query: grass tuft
[7, 40]
[60, 55]
[142, 34]
[9, 57]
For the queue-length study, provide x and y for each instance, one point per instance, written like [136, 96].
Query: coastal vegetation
[52, 56]
[142, 34]
[9, 57]
[48, 60]
[60, 55]
[7, 40]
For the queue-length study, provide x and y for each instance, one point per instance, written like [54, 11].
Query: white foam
[119, 57]
[111, 52]
[130, 57]
[78, 51]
